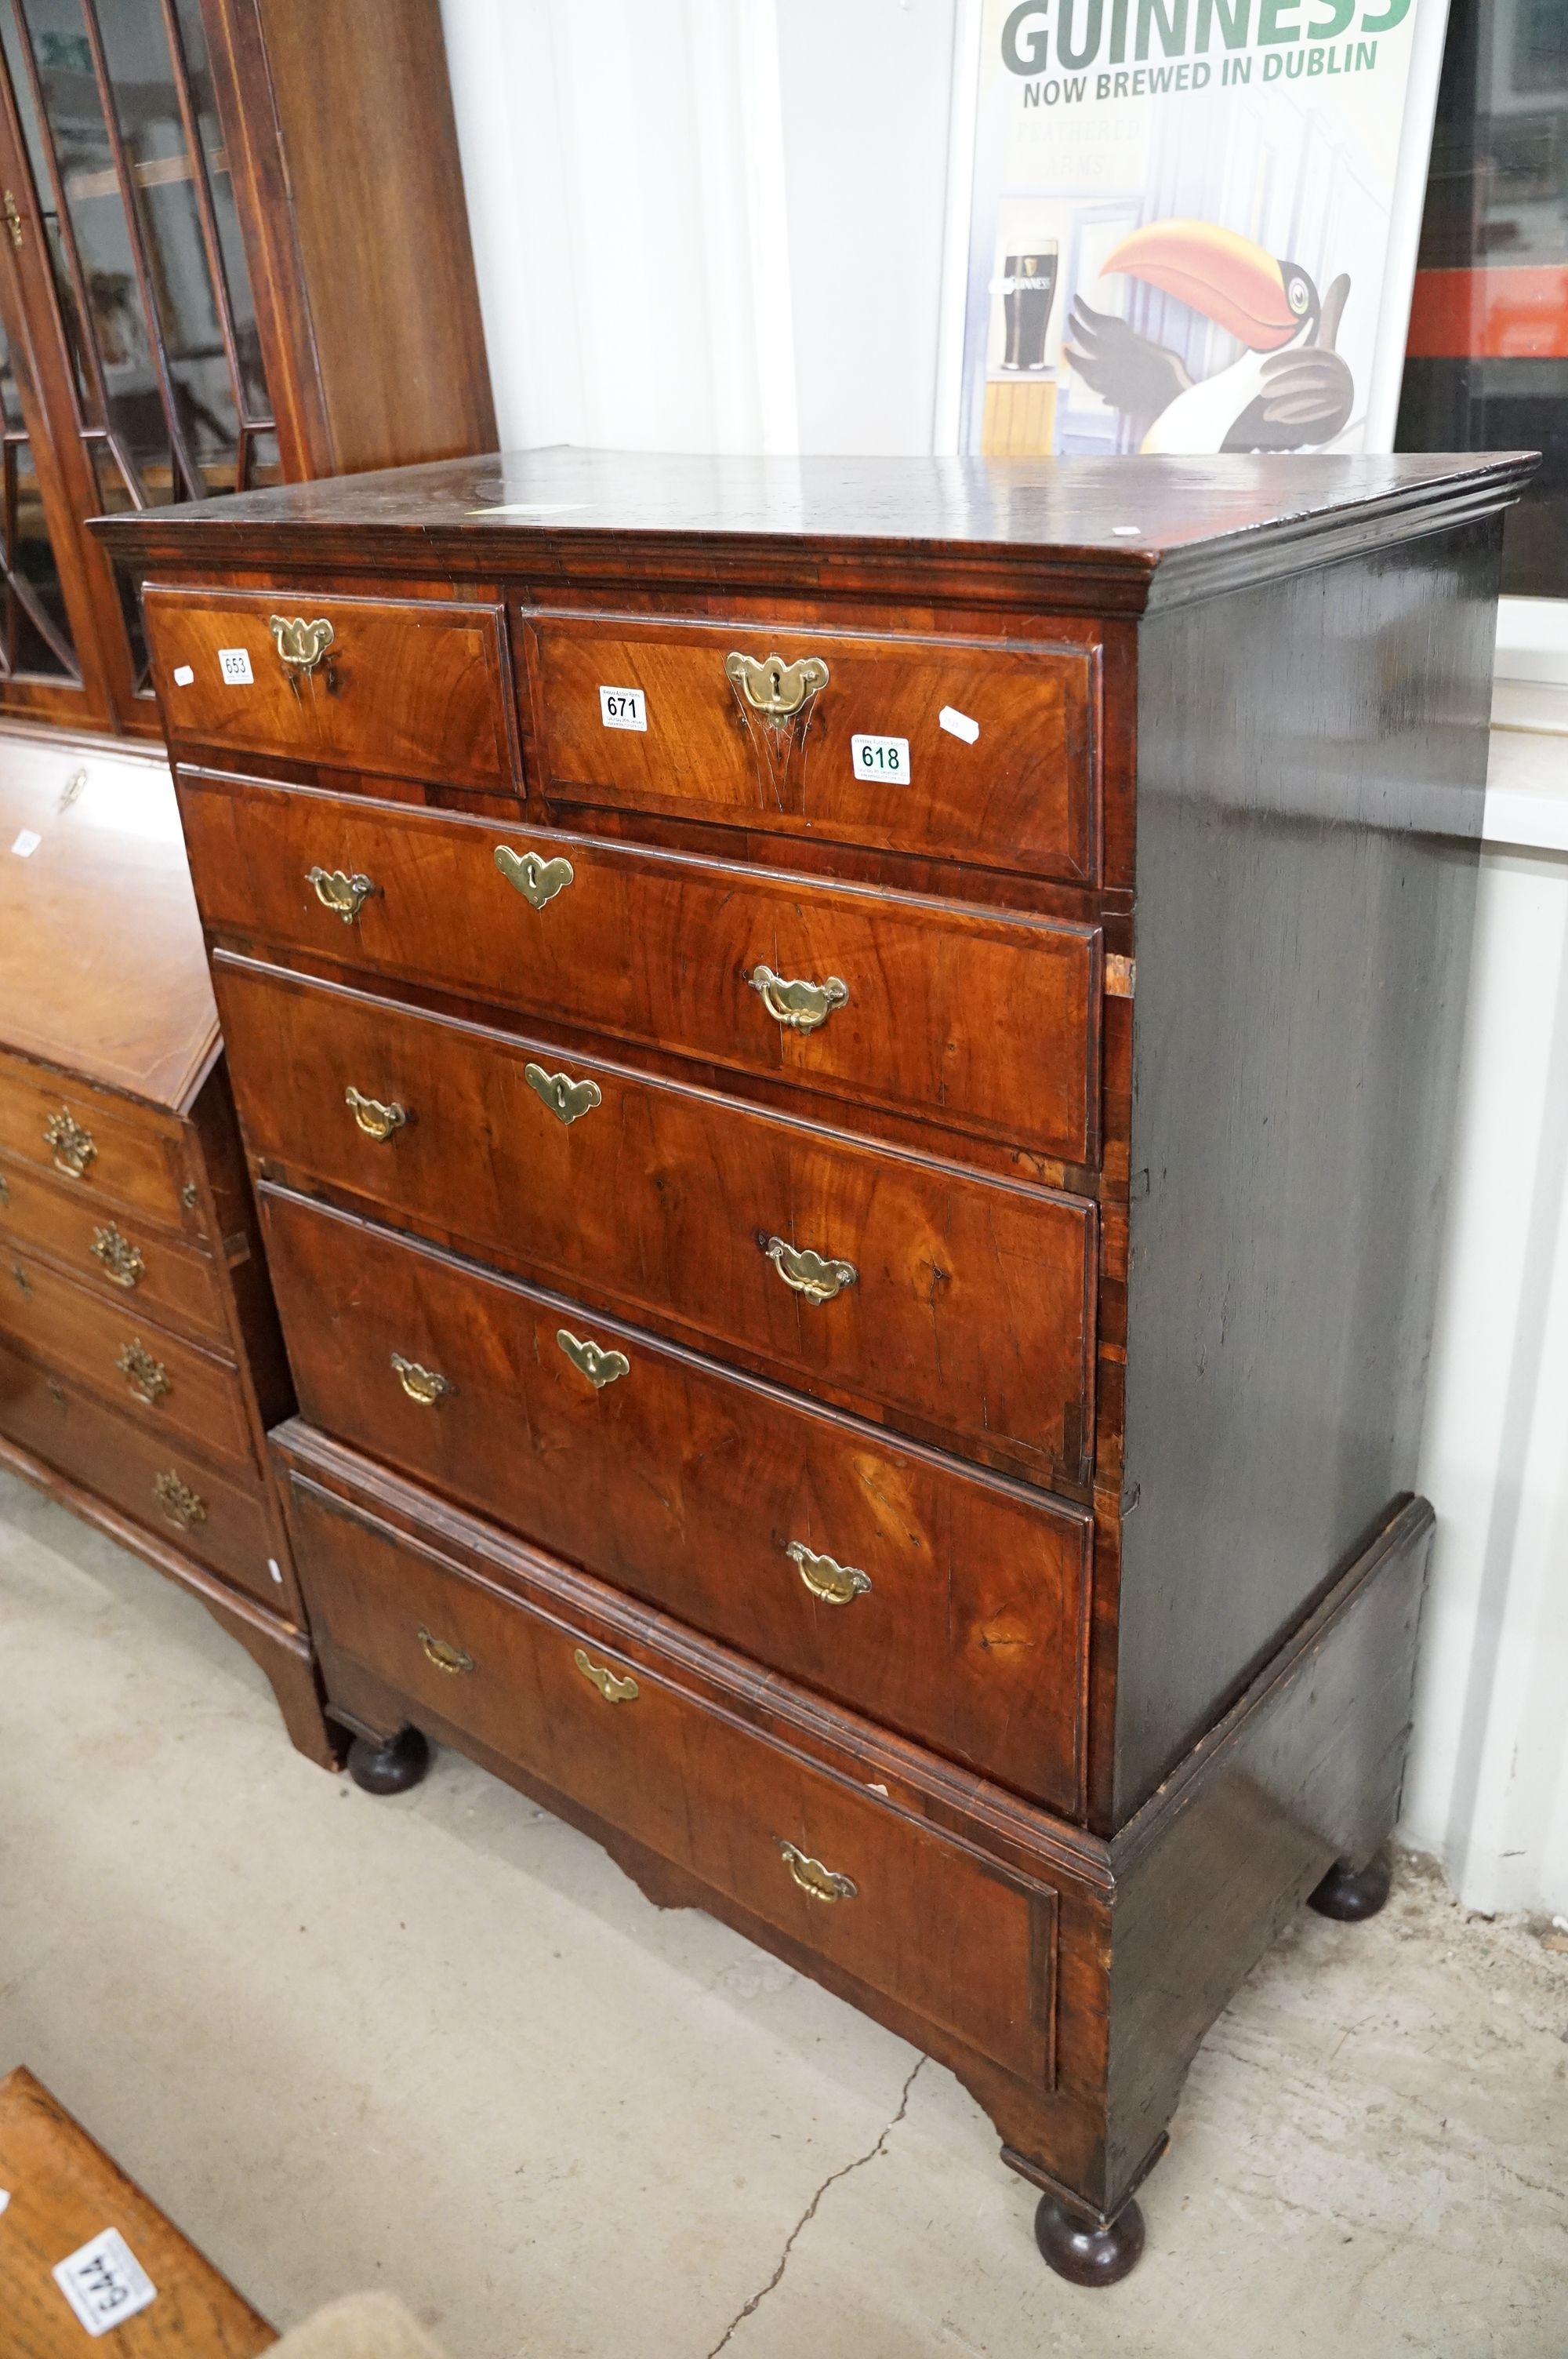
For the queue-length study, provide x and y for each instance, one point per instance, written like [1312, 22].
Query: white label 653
[881, 757]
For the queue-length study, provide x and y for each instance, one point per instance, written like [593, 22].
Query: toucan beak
[1226, 277]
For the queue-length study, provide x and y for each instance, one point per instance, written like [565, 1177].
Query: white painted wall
[722, 225]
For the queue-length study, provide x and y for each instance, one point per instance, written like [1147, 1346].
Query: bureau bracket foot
[1087, 2253]
[390, 1765]
[1352, 1894]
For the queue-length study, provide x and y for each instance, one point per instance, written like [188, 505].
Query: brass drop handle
[421, 1385]
[599, 1366]
[808, 1273]
[176, 1503]
[798, 1007]
[123, 1263]
[146, 1377]
[773, 688]
[73, 1148]
[834, 1583]
[301, 646]
[344, 895]
[444, 1655]
[376, 1121]
[568, 1100]
[818, 1882]
[537, 880]
[611, 1685]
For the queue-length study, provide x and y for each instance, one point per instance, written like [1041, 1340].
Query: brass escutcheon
[611, 1685]
[835, 1584]
[773, 688]
[818, 1882]
[344, 895]
[567, 1099]
[599, 1368]
[301, 646]
[444, 1655]
[144, 1376]
[73, 1148]
[122, 1264]
[176, 1503]
[798, 1007]
[808, 1273]
[421, 1385]
[376, 1121]
[537, 880]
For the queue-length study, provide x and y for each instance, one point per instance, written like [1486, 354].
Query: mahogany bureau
[140, 1359]
[849, 1068]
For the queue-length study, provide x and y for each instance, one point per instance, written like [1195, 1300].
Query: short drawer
[988, 1022]
[224, 1524]
[942, 748]
[620, 1732]
[110, 1150]
[165, 1382]
[891, 1281]
[121, 1258]
[937, 1601]
[420, 690]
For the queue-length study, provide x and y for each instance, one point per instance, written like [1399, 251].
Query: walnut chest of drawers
[848, 1069]
[140, 1361]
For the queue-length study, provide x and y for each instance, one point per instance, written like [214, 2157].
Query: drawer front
[988, 1023]
[121, 1259]
[961, 1303]
[110, 1156]
[941, 1603]
[223, 1524]
[161, 1381]
[935, 746]
[418, 690]
[686, 1780]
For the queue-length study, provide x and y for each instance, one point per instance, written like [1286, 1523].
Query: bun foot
[391, 1766]
[1086, 2254]
[1352, 1894]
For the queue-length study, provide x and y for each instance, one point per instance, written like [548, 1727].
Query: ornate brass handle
[122, 1264]
[805, 1272]
[599, 1368]
[444, 1655]
[344, 895]
[176, 1503]
[798, 1007]
[567, 1099]
[376, 1121]
[835, 1584]
[611, 1685]
[537, 880]
[776, 688]
[144, 1376]
[421, 1385]
[301, 646]
[73, 1148]
[818, 1882]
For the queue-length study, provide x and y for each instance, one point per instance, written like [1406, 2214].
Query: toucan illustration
[1289, 390]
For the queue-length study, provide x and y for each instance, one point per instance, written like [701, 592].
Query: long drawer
[893, 1282]
[514, 1662]
[988, 1022]
[943, 1603]
[113, 1153]
[167, 1384]
[122, 1258]
[942, 746]
[220, 1521]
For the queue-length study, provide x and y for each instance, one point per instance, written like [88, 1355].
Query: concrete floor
[440, 2044]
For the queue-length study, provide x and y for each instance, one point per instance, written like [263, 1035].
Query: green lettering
[1270, 29]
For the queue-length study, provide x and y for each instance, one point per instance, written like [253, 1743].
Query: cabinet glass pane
[35, 636]
[231, 244]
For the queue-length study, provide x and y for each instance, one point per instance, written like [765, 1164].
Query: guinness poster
[1185, 222]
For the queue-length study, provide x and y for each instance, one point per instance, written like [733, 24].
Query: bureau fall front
[847, 1068]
